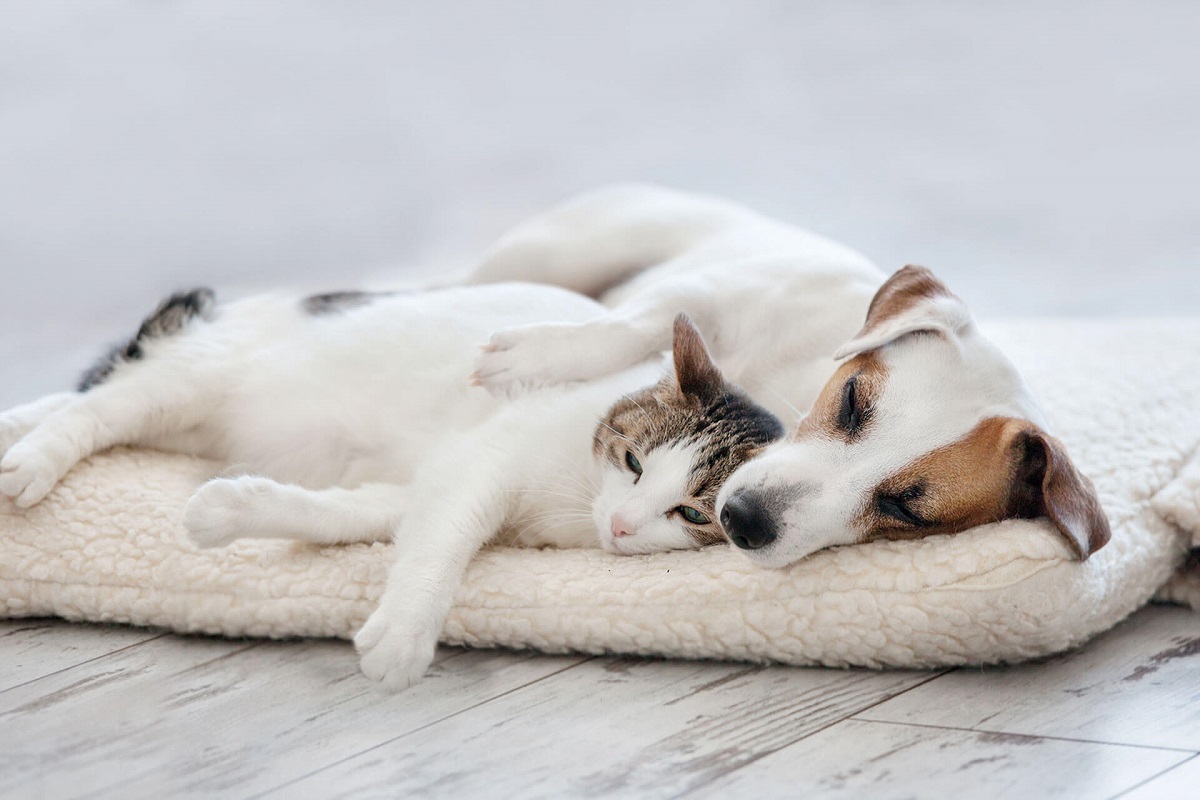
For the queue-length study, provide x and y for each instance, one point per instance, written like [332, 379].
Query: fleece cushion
[107, 545]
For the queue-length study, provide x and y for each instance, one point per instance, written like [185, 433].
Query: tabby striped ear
[695, 371]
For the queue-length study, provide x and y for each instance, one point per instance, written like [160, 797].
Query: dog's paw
[221, 511]
[554, 353]
[27, 474]
[396, 645]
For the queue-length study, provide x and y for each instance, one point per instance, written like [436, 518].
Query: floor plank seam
[1154, 777]
[857, 718]
[109, 654]
[813, 732]
[418, 729]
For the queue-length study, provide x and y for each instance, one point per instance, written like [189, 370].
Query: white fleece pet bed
[107, 546]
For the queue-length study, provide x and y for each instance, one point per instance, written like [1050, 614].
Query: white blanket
[107, 546]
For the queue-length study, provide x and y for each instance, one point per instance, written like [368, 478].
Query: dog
[908, 421]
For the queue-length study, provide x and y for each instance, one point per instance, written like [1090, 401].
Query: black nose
[747, 520]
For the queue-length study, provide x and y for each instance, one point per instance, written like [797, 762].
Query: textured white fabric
[107, 545]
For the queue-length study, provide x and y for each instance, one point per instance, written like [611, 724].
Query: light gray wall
[1041, 156]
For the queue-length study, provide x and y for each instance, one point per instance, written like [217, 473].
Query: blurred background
[1041, 156]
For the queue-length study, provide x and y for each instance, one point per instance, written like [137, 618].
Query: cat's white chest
[555, 511]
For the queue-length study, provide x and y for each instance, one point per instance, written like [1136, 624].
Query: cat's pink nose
[620, 527]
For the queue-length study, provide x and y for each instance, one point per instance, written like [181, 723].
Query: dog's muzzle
[747, 520]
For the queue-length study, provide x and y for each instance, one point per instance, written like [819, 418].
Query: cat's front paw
[396, 645]
[27, 474]
[220, 511]
[555, 353]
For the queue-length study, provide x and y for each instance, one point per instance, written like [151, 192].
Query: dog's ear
[913, 300]
[695, 372]
[1046, 483]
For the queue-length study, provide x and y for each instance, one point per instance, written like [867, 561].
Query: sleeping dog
[914, 423]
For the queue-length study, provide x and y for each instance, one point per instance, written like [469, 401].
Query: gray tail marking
[168, 319]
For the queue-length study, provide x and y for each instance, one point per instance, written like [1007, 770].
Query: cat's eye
[852, 413]
[898, 506]
[634, 465]
[693, 516]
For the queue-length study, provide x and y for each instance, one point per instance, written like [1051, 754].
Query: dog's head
[925, 428]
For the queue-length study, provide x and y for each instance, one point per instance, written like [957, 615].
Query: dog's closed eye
[899, 506]
[853, 412]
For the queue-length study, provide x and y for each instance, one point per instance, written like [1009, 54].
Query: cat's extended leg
[459, 505]
[126, 398]
[17, 422]
[139, 402]
[226, 509]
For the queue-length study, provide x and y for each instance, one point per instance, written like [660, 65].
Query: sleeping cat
[353, 415]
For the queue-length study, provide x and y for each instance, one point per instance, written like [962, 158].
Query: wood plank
[1134, 685]
[33, 648]
[194, 717]
[856, 759]
[67, 731]
[618, 726]
[1178, 783]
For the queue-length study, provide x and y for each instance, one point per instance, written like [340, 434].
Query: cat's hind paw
[12, 430]
[27, 474]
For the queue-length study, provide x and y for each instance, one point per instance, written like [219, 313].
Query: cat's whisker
[616, 433]
[786, 402]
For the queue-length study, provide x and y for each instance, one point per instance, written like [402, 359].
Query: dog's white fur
[780, 308]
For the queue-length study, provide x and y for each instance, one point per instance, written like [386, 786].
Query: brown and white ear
[1047, 484]
[695, 371]
[912, 300]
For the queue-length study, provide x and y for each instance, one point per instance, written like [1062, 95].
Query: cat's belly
[374, 430]
[345, 444]
[364, 397]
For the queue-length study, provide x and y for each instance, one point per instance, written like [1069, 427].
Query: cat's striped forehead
[723, 432]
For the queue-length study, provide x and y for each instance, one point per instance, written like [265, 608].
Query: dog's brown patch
[870, 375]
[1003, 468]
[907, 288]
[966, 483]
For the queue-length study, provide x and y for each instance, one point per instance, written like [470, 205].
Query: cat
[351, 416]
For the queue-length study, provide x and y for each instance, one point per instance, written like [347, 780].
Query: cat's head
[667, 450]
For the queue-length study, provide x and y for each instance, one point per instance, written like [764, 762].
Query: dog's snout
[747, 520]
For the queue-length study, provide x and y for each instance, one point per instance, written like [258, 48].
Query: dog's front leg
[628, 335]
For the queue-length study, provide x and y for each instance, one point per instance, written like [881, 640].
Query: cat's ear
[695, 371]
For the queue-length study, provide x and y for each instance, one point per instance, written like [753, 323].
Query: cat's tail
[171, 316]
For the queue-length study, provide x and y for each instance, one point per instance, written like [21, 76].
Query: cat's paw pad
[27, 474]
[220, 511]
[396, 647]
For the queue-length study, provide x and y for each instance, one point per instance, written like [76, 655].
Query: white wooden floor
[90, 711]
